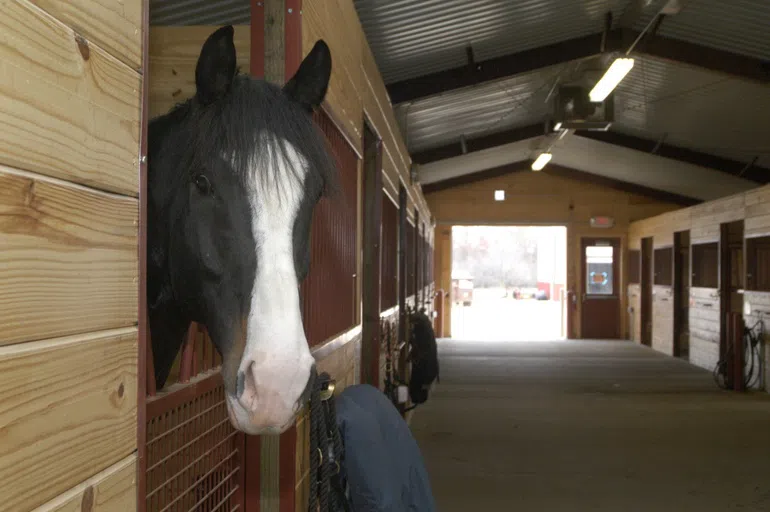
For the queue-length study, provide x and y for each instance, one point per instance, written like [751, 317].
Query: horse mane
[246, 123]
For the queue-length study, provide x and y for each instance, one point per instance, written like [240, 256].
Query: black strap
[325, 451]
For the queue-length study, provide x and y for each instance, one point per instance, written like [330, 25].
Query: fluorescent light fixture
[612, 77]
[540, 161]
[499, 195]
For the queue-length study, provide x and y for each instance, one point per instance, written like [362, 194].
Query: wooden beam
[402, 272]
[668, 48]
[747, 170]
[712, 59]
[493, 69]
[372, 256]
[564, 172]
[690, 156]
[479, 143]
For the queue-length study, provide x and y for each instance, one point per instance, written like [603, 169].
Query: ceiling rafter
[618, 39]
[659, 148]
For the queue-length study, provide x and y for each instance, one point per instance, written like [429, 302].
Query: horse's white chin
[259, 424]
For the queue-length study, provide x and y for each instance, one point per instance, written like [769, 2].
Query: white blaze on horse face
[276, 361]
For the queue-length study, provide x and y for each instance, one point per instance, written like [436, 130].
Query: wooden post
[417, 254]
[276, 53]
[402, 274]
[145, 367]
[372, 254]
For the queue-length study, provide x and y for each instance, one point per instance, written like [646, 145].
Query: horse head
[234, 175]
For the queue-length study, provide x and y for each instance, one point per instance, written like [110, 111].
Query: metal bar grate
[194, 456]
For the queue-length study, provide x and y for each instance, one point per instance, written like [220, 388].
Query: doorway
[682, 294]
[600, 304]
[508, 283]
[646, 285]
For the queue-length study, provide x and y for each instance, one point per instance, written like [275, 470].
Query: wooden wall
[703, 221]
[533, 198]
[69, 178]
[174, 53]
[357, 90]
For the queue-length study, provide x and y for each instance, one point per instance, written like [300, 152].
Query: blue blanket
[382, 463]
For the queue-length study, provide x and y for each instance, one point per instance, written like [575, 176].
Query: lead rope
[325, 450]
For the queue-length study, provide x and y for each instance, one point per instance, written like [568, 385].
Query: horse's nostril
[240, 384]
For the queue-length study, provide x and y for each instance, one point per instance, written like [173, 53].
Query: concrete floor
[599, 426]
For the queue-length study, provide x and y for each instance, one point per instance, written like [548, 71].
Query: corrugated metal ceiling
[411, 38]
[200, 12]
[738, 26]
[476, 111]
[696, 109]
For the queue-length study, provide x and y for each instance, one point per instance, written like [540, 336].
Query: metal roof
[693, 108]
[696, 109]
[410, 38]
[737, 26]
[476, 111]
[200, 12]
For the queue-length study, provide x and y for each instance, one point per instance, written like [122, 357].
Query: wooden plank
[174, 54]
[703, 353]
[705, 314]
[116, 26]
[69, 109]
[112, 490]
[68, 262]
[704, 233]
[320, 20]
[67, 411]
[663, 322]
[757, 225]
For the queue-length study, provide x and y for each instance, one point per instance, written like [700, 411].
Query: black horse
[424, 354]
[234, 175]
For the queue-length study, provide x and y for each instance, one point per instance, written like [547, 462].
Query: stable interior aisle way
[582, 425]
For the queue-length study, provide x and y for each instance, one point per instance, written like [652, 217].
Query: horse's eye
[203, 184]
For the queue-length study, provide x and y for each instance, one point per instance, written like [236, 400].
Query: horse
[234, 174]
[424, 356]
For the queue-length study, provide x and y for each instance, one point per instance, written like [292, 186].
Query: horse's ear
[216, 66]
[309, 84]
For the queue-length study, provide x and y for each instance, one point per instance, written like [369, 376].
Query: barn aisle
[600, 426]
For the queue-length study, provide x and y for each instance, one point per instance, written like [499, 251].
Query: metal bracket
[327, 393]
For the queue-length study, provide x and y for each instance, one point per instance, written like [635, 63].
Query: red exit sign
[602, 222]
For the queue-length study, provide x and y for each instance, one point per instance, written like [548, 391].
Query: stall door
[600, 296]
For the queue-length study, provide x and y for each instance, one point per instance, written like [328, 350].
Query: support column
[372, 254]
[276, 53]
[402, 273]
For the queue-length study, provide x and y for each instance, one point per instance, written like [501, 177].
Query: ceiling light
[540, 161]
[499, 195]
[612, 77]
